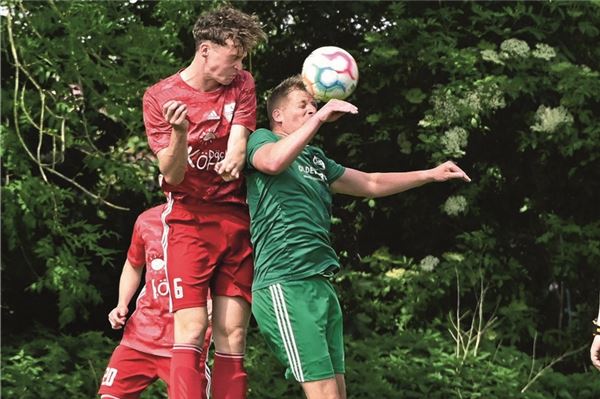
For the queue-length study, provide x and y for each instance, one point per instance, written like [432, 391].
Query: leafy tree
[488, 275]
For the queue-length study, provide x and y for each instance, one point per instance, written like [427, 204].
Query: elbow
[275, 170]
[173, 179]
[372, 193]
[172, 172]
[272, 167]
[371, 188]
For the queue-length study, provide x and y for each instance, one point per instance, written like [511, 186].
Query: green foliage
[65, 246]
[72, 145]
[421, 364]
[445, 288]
[55, 366]
[265, 373]
[410, 364]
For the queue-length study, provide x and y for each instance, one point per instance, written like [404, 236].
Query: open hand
[334, 109]
[448, 171]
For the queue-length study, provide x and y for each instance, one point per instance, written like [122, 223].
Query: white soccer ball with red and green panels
[330, 72]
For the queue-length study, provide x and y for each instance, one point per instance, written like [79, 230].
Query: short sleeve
[136, 253]
[158, 129]
[257, 140]
[245, 113]
[333, 170]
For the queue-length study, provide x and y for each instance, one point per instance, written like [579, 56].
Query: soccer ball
[330, 72]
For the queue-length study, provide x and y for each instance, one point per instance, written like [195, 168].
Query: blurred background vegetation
[480, 290]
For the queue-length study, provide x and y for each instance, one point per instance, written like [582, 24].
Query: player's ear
[203, 49]
[277, 115]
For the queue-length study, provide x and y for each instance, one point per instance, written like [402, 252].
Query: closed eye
[236, 58]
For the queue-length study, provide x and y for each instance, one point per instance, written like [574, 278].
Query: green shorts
[302, 323]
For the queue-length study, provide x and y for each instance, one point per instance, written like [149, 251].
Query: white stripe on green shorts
[285, 329]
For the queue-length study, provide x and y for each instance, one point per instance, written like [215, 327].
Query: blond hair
[280, 92]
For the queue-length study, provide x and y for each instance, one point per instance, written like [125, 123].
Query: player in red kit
[197, 122]
[144, 354]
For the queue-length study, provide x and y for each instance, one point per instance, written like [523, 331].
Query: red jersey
[210, 116]
[150, 327]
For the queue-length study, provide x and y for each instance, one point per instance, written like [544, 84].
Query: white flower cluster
[445, 107]
[543, 51]
[454, 140]
[485, 96]
[455, 205]
[515, 48]
[492, 56]
[395, 273]
[429, 263]
[472, 101]
[450, 108]
[548, 119]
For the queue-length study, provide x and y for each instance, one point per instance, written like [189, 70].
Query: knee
[234, 334]
[190, 330]
[322, 389]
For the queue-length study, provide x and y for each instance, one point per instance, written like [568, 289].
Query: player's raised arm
[235, 157]
[373, 185]
[294, 118]
[243, 122]
[172, 160]
[128, 284]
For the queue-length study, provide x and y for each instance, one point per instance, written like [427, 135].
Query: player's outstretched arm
[131, 277]
[235, 157]
[172, 160]
[373, 185]
[274, 158]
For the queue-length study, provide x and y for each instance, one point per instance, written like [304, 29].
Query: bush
[55, 366]
[408, 364]
[424, 364]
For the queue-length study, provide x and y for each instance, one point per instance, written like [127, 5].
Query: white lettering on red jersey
[150, 328]
[210, 116]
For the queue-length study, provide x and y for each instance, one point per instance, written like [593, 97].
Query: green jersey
[290, 215]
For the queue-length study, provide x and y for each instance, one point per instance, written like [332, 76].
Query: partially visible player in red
[197, 122]
[144, 354]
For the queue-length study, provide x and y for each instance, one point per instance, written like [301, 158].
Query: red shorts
[130, 372]
[206, 245]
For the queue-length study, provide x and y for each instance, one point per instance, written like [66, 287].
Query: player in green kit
[289, 194]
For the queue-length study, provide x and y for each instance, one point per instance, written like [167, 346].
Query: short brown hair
[280, 92]
[226, 22]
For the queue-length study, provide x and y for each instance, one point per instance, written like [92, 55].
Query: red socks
[186, 378]
[229, 378]
[190, 379]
